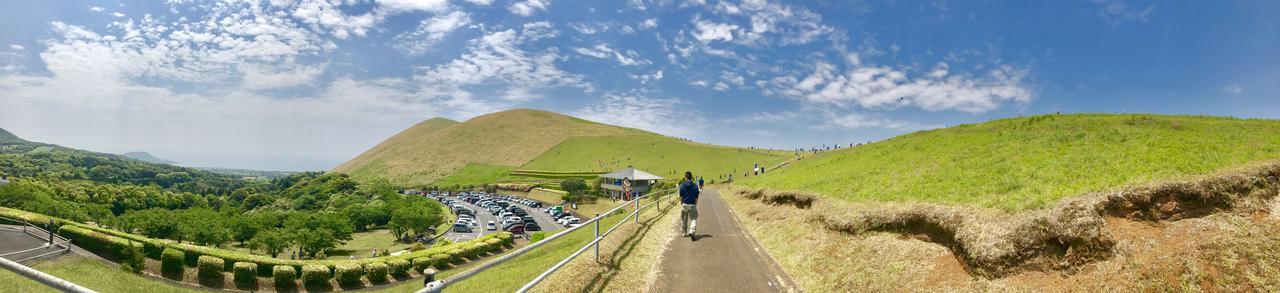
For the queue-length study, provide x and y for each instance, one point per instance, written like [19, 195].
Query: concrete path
[724, 258]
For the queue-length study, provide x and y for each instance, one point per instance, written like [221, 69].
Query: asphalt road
[483, 216]
[724, 258]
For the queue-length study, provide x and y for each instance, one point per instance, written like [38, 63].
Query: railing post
[50, 227]
[597, 237]
[637, 210]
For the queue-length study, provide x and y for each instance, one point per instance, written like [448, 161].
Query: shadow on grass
[172, 275]
[287, 287]
[628, 246]
[249, 285]
[212, 282]
[324, 287]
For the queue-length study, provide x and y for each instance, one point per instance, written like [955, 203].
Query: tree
[244, 228]
[273, 241]
[574, 186]
[312, 241]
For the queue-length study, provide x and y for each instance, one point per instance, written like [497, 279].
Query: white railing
[440, 285]
[51, 239]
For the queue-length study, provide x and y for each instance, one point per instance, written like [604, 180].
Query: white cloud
[538, 30]
[96, 9]
[480, 2]
[708, 31]
[528, 7]
[1117, 11]
[649, 23]
[671, 116]
[414, 5]
[16, 47]
[117, 15]
[431, 31]
[601, 51]
[878, 87]
[1234, 89]
[496, 59]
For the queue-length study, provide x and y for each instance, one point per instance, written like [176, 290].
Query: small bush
[422, 263]
[284, 276]
[245, 273]
[348, 274]
[209, 268]
[377, 272]
[441, 260]
[399, 267]
[535, 237]
[315, 275]
[171, 261]
[455, 256]
[132, 259]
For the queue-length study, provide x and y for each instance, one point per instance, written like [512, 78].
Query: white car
[491, 226]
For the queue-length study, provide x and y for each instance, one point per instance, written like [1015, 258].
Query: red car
[515, 229]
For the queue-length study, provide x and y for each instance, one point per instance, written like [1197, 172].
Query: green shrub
[535, 237]
[132, 259]
[284, 276]
[455, 256]
[422, 263]
[245, 273]
[171, 261]
[315, 275]
[348, 274]
[441, 261]
[399, 267]
[209, 268]
[377, 272]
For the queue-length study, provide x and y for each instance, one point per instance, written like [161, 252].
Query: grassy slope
[8, 137]
[662, 156]
[1024, 163]
[474, 173]
[508, 138]
[89, 273]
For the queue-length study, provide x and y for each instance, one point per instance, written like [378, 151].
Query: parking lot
[484, 216]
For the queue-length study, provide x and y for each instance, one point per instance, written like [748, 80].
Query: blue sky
[305, 85]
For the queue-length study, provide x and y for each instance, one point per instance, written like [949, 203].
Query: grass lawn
[363, 243]
[474, 174]
[92, 274]
[1030, 162]
[662, 156]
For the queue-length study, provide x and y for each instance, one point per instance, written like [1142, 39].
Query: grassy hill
[662, 156]
[7, 137]
[1031, 162]
[489, 148]
[427, 152]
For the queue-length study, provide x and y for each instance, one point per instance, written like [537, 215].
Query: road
[483, 216]
[725, 258]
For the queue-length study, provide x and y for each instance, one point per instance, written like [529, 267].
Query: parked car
[461, 228]
[532, 227]
[490, 226]
[515, 229]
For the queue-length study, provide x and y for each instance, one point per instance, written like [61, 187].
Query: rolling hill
[8, 137]
[489, 147]
[1030, 162]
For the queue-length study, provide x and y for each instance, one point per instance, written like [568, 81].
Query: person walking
[689, 206]
[700, 182]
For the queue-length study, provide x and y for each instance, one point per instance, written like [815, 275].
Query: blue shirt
[688, 192]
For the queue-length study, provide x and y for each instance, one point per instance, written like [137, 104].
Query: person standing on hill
[700, 182]
[689, 206]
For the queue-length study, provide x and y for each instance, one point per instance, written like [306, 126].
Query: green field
[1030, 162]
[474, 174]
[662, 156]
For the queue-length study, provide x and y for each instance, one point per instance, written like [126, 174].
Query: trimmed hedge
[399, 267]
[348, 274]
[441, 260]
[315, 275]
[422, 263]
[245, 273]
[377, 272]
[210, 268]
[284, 276]
[171, 261]
[455, 256]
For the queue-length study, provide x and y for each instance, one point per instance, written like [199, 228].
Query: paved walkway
[725, 258]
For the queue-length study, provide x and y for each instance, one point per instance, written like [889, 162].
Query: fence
[50, 239]
[440, 285]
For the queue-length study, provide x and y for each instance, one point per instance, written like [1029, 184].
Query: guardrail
[30, 273]
[440, 285]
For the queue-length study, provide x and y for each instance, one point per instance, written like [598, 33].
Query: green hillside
[1031, 162]
[529, 145]
[8, 137]
[662, 156]
[422, 155]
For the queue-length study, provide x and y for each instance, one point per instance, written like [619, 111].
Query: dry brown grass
[1100, 238]
[629, 257]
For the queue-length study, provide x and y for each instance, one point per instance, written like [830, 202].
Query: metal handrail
[437, 286]
[33, 274]
[594, 243]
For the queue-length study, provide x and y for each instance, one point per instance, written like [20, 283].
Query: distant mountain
[247, 173]
[147, 157]
[496, 144]
[8, 137]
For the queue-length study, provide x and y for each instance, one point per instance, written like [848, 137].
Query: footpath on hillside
[725, 258]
